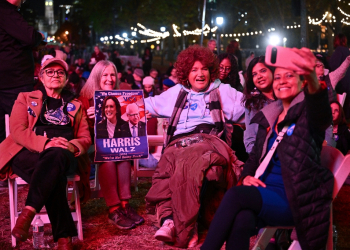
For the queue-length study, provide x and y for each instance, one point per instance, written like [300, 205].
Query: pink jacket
[22, 135]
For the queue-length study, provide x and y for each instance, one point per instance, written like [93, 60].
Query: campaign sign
[120, 126]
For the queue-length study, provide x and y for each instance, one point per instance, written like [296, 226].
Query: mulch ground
[99, 234]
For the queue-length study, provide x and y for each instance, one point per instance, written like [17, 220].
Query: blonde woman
[114, 177]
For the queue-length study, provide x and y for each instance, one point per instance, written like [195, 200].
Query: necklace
[56, 116]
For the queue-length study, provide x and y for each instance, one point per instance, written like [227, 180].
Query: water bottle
[38, 233]
[335, 237]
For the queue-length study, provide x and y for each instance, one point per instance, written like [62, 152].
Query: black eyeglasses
[227, 69]
[51, 72]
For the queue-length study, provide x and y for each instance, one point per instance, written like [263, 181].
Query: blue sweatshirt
[196, 110]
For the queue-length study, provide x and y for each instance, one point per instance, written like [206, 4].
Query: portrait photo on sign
[120, 126]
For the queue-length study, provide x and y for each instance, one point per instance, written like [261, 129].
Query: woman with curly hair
[228, 71]
[257, 94]
[197, 108]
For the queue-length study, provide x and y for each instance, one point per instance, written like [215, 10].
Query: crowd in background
[221, 85]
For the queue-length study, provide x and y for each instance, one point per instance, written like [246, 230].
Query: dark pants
[235, 220]
[46, 173]
[7, 99]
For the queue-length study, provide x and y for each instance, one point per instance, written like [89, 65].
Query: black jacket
[17, 39]
[141, 129]
[308, 185]
[102, 133]
[343, 141]
[337, 58]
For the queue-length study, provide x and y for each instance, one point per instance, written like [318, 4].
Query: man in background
[17, 40]
[212, 46]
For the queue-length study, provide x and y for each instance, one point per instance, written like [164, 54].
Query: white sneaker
[167, 232]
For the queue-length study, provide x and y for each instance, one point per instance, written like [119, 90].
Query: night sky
[39, 5]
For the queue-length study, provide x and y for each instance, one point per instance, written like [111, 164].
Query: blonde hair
[93, 82]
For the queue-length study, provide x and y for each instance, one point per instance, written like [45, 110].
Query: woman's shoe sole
[120, 227]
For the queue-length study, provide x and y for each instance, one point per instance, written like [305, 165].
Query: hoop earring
[255, 92]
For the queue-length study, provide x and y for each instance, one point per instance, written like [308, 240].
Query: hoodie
[196, 110]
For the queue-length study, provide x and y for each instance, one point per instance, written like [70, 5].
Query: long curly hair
[253, 100]
[233, 77]
[189, 56]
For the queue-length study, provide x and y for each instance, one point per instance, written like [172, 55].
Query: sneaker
[130, 213]
[118, 218]
[194, 240]
[167, 232]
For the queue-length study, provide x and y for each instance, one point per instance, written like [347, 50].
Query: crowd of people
[220, 169]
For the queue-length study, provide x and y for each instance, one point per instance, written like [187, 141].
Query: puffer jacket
[308, 185]
[178, 179]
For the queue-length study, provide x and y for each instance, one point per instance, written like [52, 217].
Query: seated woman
[341, 131]
[258, 93]
[228, 74]
[48, 131]
[196, 109]
[114, 177]
[109, 126]
[294, 189]
[228, 71]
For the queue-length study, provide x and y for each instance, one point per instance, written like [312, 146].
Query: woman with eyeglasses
[228, 71]
[228, 74]
[48, 132]
[258, 93]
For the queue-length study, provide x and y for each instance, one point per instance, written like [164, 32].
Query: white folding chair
[333, 159]
[341, 98]
[12, 184]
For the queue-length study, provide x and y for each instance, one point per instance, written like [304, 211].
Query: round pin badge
[290, 129]
[70, 107]
[34, 104]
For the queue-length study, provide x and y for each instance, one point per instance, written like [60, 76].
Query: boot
[20, 231]
[65, 244]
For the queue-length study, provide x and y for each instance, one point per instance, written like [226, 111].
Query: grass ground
[99, 234]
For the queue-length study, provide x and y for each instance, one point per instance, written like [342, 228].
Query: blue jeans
[7, 99]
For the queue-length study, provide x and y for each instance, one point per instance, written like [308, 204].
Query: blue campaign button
[70, 107]
[34, 104]
[290, 129]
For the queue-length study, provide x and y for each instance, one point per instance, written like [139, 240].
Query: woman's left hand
[64, 143]
[148, 114]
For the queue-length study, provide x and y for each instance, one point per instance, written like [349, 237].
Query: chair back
[333, 159]
[7, 125]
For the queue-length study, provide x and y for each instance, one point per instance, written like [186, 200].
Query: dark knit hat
[169, 83]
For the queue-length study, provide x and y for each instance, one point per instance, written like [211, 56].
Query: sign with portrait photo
[120, 126]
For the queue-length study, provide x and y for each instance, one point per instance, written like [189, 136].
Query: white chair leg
[136, 168]
[13, 206]
[97, 182]
[295, 246]
[265, 238]
[78, 211]
[330, 231]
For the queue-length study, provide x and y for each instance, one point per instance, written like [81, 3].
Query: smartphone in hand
[281, 57]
